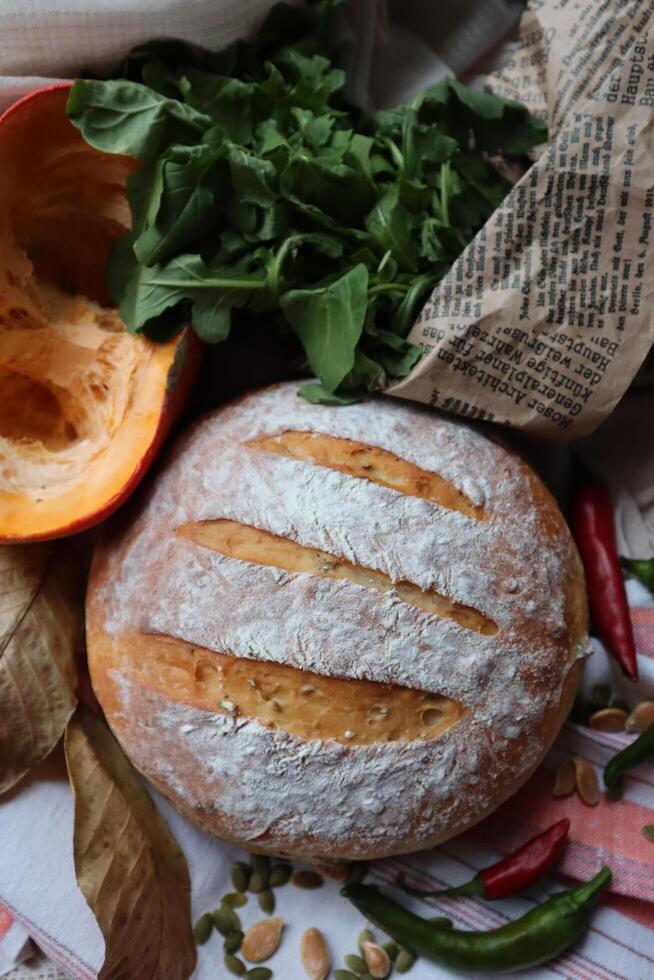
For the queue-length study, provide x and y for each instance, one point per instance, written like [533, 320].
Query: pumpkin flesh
[83, 403]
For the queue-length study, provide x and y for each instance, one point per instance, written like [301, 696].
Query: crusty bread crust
[337, 633]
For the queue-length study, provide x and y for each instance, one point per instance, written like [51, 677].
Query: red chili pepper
[594, 531]
[518, 870]
[514, 872]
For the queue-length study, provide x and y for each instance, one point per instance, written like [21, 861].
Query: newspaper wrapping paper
[546, 317]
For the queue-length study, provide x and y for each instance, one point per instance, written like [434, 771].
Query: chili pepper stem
[475, 888]
[586, 891]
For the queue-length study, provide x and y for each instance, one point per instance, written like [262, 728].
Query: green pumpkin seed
[266, 901]
[280, 874]
[241, 875]
[202, 928]
[404, 961]
[344, 975]
[259, 973]
[356, 964]
[233, 900]
[235, 966]
[648, 832]
[260, 862]
[259, 880]
[392, 949]
[307, 879]
[365, 936]
[225, 920]
[233, 941]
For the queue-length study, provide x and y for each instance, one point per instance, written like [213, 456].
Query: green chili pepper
[639, 750]
[642, 568]
[535, 938]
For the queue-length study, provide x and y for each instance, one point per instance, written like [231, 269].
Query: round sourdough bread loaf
[337, 632]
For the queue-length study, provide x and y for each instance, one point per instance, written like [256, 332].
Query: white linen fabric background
[42, 39]
[395, 48]
[45, 39]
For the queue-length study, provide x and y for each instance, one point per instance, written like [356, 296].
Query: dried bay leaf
[128, 865]
[41, 623]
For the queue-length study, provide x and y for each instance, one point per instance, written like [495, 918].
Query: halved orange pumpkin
[84, 405]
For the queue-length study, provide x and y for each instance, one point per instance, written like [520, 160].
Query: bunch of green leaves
[263, 190]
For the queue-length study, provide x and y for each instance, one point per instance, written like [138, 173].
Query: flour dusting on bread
[517, 567]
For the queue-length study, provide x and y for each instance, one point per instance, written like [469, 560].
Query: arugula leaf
[339, 192]
[264, 190]
[315, 79]
[396, 355]
[391, 228]
[253, 179]
[156, 76]
[315, 130]
[228, 101]
[319, 395]
[275, 220]
[329, 320]
[144, 293]
[268, 139]
[366, 375]
[122, 117]
[169, 54]
[497, 124]
[431, 246]
[173, 203]
[418, 144]
[294, 250]
[212, 317]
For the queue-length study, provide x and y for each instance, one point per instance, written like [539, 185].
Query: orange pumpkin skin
[84, 405]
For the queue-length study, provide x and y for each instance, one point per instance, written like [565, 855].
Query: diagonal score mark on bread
[369, 463]
[250, 544]
[285, 698]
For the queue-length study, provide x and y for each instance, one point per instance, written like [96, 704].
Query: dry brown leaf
[128, 865]
[41, 622]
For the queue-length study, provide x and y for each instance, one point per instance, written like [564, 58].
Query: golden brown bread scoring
[337, 632]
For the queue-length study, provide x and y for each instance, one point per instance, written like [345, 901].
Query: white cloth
[45, 39]
[59, 38]
[16, 947]
[41, 39]
[37, 879]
